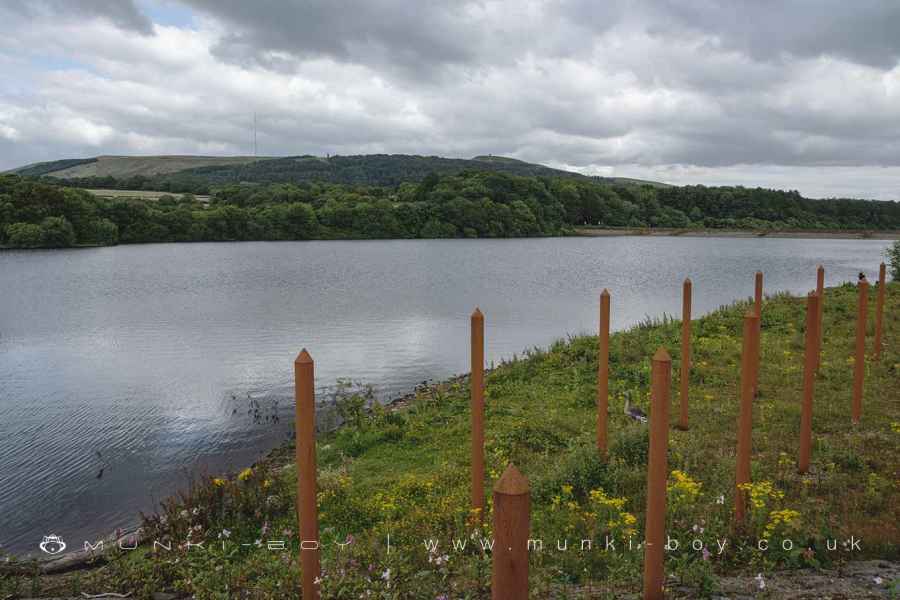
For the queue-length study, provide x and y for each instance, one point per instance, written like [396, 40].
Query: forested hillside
[34, 213]
[371, 169]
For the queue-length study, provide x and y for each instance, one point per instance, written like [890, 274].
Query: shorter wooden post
[809, 379]
[477, 408]
[820, 291]
[757, 305]
[745, 421]
[307, 512]
[603, 376]
[685, 352]
[512, 523]
[859, 366]
[879, 310]
[657, 472]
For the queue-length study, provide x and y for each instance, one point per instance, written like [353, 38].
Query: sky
[789, 94]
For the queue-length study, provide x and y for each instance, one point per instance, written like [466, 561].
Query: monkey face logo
[52, 544]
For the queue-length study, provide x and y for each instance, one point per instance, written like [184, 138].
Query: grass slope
[122, 167]
[372, 169]
[406, 473]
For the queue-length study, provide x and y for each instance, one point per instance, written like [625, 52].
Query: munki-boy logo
[52, 544]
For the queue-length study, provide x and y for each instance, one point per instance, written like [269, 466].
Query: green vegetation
[45, 168]
[893, 256]
[406, 473]
[468, 204]
[199, 176]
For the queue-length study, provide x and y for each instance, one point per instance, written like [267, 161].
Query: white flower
[184, 514]
[196, 511]
[760, 582]
[386, 575]
[226, 533]
[878, 580]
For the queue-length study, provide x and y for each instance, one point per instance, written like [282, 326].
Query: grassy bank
[846, 234]
[405, 474]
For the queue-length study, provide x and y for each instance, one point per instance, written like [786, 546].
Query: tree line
[36, 213]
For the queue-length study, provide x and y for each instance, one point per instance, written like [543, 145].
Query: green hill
[171, 172]
[127, 166]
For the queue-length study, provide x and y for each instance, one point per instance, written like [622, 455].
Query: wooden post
[512, 523]
[307, 514]
[879, 310]
[757, 306]
[859, 366]
[809, 378]
[477, 408]
[603, 376]
[685, 352]
[745, 421]
[657, 472]
[820, 291]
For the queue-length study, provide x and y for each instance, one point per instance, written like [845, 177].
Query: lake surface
[142, 360]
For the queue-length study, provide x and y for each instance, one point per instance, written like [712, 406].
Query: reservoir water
[143, 360]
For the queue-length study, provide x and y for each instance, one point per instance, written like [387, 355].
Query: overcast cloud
[796, 95]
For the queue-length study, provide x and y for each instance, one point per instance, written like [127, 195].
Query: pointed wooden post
[477, 408]
[307, 513]
[657, 472]
[757, 306]
[820, 291]
[809, 379]
[512, 524]
[745, 421]
[685, 352]
[879, 310]
[859, 366]
[603, 376]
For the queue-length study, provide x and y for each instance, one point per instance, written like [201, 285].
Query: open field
[139, 194]
[128, 166]
[405, 473]
[741, 233]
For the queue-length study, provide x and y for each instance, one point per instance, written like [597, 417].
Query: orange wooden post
[879, 310]
[512, 523]
[685, 351]
[307, 515]
[477, 407]
[820, 291]
[745, 421]
[657, 472]
[859, 366]
[603, 376]
[809, 378]
[757, 306]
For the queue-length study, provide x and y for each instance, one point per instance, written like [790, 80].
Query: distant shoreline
[850, 234]
[836, 234]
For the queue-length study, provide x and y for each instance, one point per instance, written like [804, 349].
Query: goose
[635, 413]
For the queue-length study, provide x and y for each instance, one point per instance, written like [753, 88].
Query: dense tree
[468, 204]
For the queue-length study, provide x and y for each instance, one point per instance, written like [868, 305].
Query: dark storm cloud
[435, 33]
[413, 35]
[863, 31]
[123, 13]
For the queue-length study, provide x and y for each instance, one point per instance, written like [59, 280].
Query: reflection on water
[155, 362]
